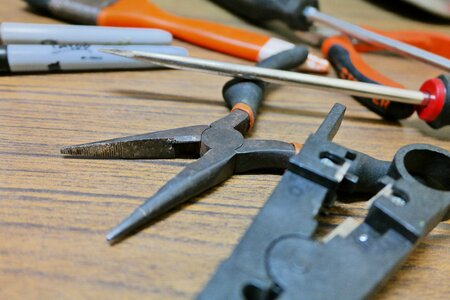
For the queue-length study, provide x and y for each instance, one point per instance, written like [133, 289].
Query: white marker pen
[26, 33]
[53, 58]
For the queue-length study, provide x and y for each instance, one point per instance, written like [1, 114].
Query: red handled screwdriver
[432, 102]
[349, 65]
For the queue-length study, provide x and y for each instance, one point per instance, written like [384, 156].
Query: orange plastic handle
[355, 61]
[436, 43]
[143, 13]
[349, 65]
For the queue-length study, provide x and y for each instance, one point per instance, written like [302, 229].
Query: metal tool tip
[74, 150]
[94, 150]
[113, 236]
[66, 150]
[119, 52]
[127, 227]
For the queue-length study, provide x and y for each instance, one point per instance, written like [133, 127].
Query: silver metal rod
[373, 38]
[278, 76]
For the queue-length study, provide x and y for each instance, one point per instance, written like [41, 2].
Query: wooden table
[54, 212]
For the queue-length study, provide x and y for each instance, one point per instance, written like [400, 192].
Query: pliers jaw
[209, 170]
[222, 151]
[192, 141]
[173, 143]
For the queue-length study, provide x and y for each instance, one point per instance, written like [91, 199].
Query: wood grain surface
[54, 212]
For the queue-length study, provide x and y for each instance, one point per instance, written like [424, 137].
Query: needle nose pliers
[220, 147]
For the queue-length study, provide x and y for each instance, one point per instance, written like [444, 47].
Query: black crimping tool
[279, 256]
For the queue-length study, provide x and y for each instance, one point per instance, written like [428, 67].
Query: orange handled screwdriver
[143, 13]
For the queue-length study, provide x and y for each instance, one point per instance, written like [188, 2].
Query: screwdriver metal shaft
[370, 37]
[279, 76]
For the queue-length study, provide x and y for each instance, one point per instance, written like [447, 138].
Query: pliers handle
[348, 63]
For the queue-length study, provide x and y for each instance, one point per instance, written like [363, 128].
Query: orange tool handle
[349, 65]
[142, 13]
[436, 43]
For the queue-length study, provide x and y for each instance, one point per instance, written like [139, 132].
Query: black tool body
[279, 256]
[259, 11]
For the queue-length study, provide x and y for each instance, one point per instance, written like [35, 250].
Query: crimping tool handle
[288, 11]
[247, 95]
[349, 65]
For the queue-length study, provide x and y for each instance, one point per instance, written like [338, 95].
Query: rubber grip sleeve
[349, 65]
[248, 94]
[289, 12]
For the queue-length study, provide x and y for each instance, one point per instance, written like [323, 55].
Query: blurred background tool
[26, 33]
[220, 147]
[439, 8]
[432, 101]
[433, 42]
[300, 15]
[55, 58]
[143, 13]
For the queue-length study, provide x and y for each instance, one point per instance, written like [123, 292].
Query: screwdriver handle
[247, 95]
[349, 65]
[240, 43]
[289, 12]
[437, 111]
